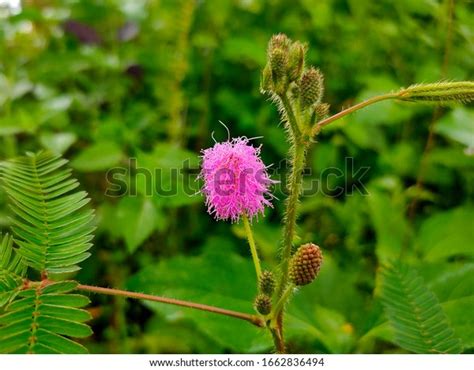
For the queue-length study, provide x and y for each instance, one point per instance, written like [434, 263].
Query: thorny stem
[253, 247]
[253, 319]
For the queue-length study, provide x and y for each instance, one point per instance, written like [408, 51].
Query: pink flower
[236, 181]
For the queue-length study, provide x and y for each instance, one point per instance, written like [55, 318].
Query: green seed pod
[312, 87]
[267, 283]
[263, 304]
[305, 264]
[296, 61]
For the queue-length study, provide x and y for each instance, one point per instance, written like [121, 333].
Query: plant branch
[253, 247]
[356, 107]
[253, 319]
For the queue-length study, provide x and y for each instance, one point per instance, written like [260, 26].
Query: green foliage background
[104, 81]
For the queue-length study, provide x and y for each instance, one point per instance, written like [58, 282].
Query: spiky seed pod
[267, 283]
[296, 60]
[305, 264]
[312, 87]
[263, 304]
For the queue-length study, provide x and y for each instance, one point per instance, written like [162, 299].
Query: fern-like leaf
[42, 319]
[52, 228]
[414, 313]
[12, 270]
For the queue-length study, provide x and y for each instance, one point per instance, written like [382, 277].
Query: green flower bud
[280, 41]
[305, 264]
[296, 60]
[263, 304]
[321, 110]
[266, 82]
[267, 283]
[279, 65]
[311, 87]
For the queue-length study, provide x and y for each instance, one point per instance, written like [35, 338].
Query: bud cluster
[285, 75]
[266, 287]
[305, 264]
[285, 64]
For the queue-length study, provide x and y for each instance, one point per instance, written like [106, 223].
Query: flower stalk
[253, 246]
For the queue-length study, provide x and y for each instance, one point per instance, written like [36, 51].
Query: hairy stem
[356, 107]
[282, 300]
[253, 246]
[295, 129]
[294, 188]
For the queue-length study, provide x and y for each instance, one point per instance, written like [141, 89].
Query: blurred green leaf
[136, 219]
[387, 212]
[98, 157]
[327, 326]
[57, 143]
[447, 234]
[458, 125]
[459, 312]
[169, 175]
[452, 281]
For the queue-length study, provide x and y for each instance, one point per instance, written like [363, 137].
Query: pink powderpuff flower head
[236, 181]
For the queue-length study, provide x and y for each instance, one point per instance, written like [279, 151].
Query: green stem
[281, 302]
[253, 246]
[294, 187]
[356, 107]
[291, 117]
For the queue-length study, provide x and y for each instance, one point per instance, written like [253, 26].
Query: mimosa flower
[236, 181]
